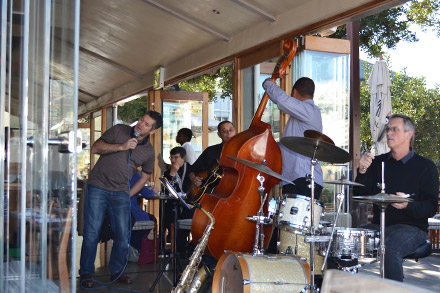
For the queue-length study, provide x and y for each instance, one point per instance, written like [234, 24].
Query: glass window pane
[330, 72]
[253, 92]
[177, 115]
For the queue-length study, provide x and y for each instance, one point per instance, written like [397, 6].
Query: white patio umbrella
[380, 105]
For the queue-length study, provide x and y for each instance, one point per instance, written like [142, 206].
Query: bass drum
[261, 273]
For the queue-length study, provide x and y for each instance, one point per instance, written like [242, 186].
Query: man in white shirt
[184, 139]
[304, 115]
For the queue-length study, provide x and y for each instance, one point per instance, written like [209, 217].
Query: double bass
[236, 195]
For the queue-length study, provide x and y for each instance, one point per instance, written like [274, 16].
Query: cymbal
[344, 182]
[318, 135]
[316, 148]
[260, 167]
[382, 198]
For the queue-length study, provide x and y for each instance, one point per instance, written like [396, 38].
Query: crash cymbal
[382, 198]
[344, 182]
[316, 148]
[261, 167]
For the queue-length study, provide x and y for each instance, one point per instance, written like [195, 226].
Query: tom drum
[294, 213]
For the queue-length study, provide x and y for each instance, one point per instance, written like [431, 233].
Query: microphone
[135, 135]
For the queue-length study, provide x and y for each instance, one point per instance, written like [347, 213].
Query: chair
[148, 225]
[138, 225]
[182, 224]
[422, 251]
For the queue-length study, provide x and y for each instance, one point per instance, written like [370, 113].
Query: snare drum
[354, 243]
[300, 248]
[294, 213]
[260, 273]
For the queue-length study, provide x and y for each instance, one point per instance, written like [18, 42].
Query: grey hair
[408, 123]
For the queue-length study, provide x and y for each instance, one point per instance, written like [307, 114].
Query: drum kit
[304, 242]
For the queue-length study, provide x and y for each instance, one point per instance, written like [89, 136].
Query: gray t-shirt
[111, 172]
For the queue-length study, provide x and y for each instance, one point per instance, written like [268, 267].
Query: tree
[211, 83]
[389, 27]
[410, 97]
[132, 110]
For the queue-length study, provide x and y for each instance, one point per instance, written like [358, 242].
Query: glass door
[328, 66]
[39, 76]
[184, 110]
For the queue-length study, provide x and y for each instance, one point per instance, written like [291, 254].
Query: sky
[420, 58]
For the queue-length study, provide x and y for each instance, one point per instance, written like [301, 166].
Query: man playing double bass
[208, 160]
[304, 115]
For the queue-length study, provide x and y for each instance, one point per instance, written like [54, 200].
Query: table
[162, 197]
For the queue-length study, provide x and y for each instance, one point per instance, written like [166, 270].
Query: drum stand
[383, 206]
[314, 162]
[259, 232]
[313, 238]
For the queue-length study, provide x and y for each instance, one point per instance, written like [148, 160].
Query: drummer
[304, 115]
[406, 174]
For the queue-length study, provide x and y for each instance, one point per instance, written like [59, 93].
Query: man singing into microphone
[122, 150]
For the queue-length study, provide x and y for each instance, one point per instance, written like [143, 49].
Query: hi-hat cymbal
[316, 148]
[261, 167]
[382, 198]
[344, 182]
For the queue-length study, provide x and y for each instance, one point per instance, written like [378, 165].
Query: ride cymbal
[316, 148]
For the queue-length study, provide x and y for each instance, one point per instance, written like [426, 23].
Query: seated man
[405, 173]
[177, 175]
[208, 160]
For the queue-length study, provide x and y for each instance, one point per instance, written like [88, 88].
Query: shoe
[123, 279]
[86, 281]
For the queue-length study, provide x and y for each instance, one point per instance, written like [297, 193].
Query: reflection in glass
[253, 92]
[177, 115]
[39, 98]
[330, 72]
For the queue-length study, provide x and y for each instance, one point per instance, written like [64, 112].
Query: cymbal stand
[314, 162]
[383, 206]
[259, 232]
[340, 197]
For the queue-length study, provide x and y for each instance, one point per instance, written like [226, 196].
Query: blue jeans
[400, 241]
[96, 203]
